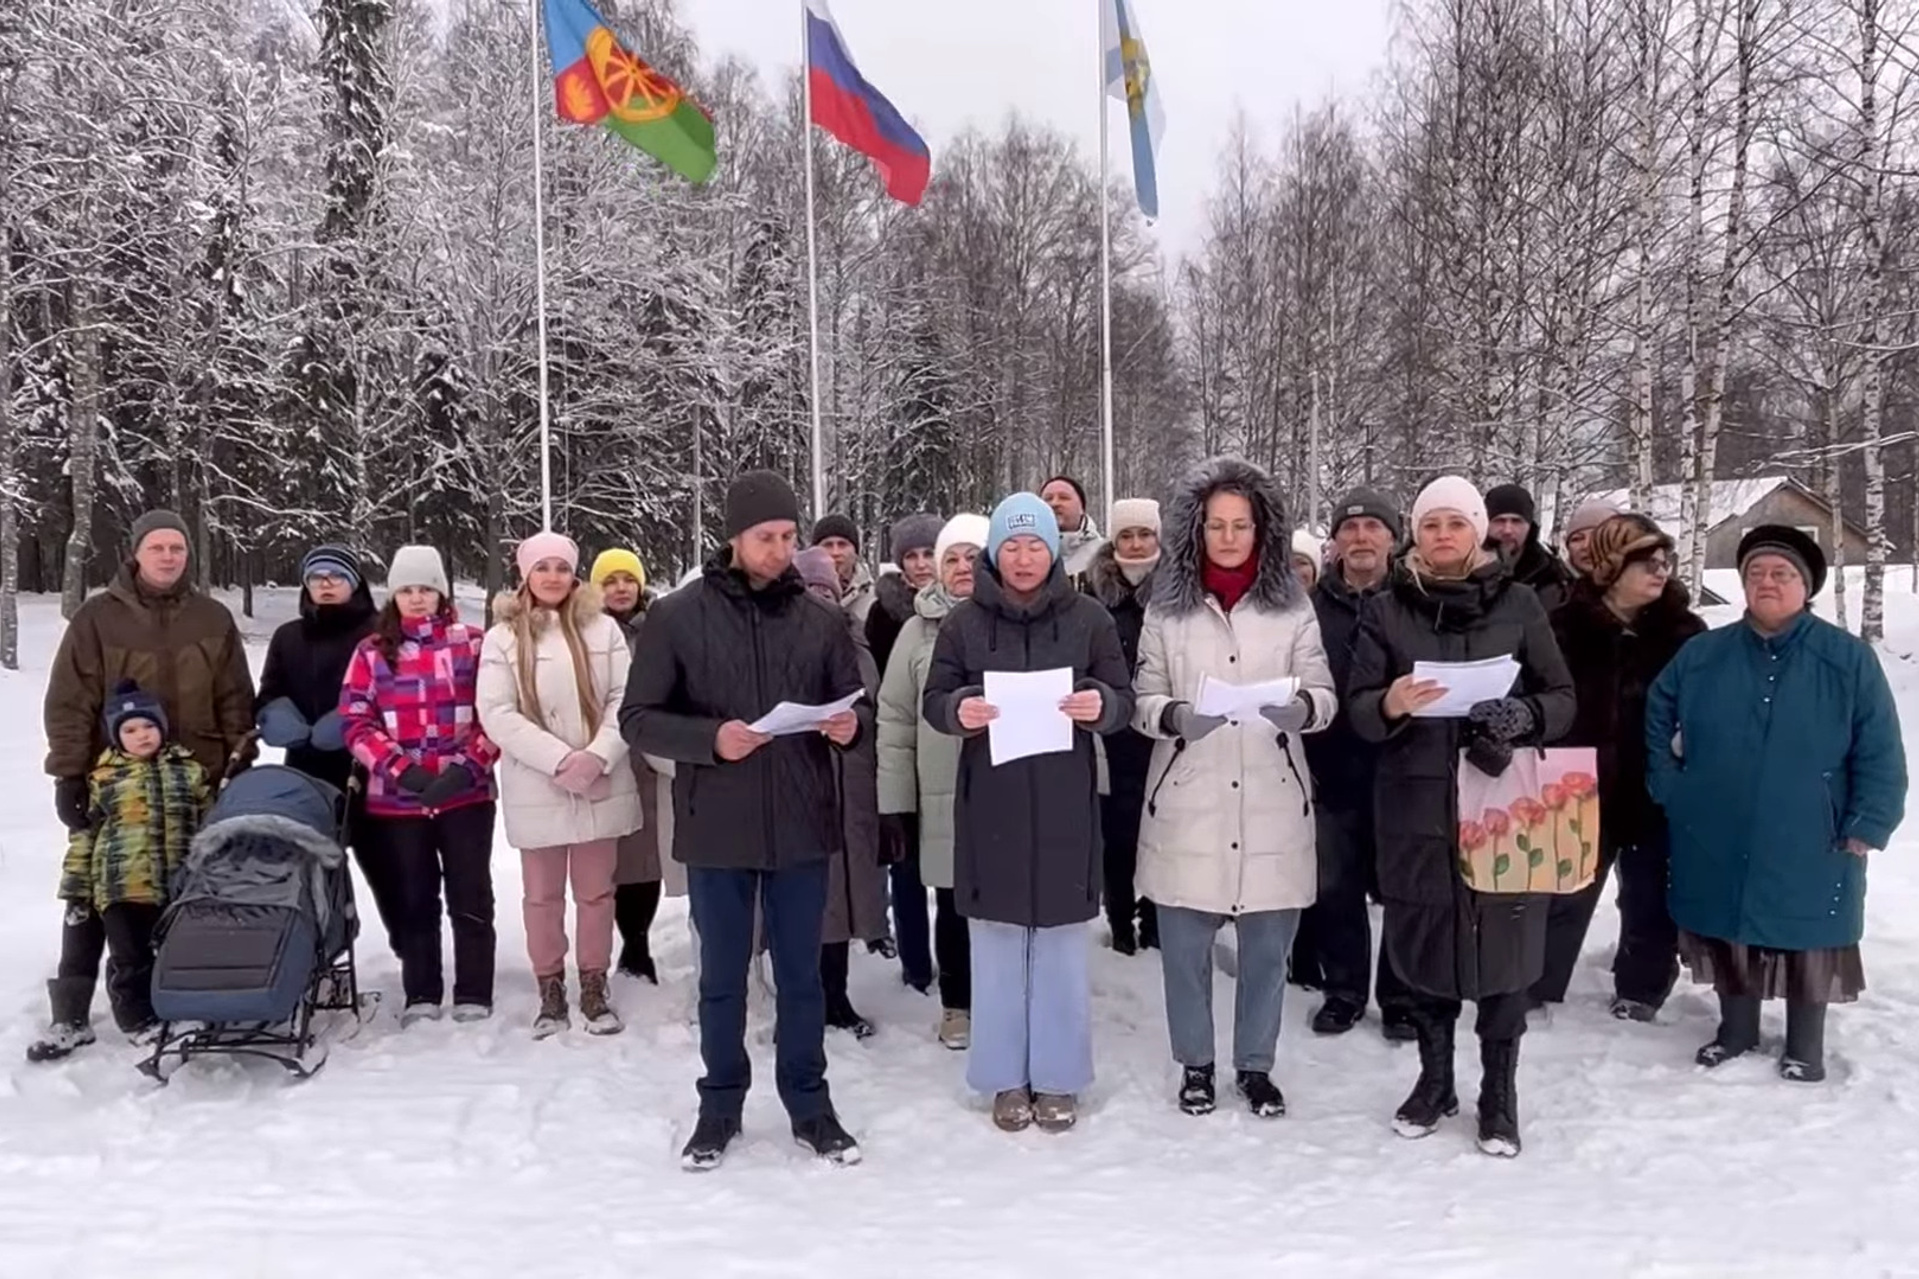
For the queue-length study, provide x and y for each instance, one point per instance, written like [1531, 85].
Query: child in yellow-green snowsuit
[147, 797]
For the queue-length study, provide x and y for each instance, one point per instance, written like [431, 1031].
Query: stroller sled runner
[257, 939]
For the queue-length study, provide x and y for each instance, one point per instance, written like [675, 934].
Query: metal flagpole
[539, 269]
[1105, 283]
[812, 270]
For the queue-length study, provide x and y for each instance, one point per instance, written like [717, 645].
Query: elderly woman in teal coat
[1774, 748]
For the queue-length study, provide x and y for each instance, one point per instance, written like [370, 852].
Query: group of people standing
[1744, 776]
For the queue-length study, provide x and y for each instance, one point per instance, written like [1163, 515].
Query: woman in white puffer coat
[1228, 828]
[552, 676]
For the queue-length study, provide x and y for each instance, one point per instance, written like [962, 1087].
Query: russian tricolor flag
[859, 115]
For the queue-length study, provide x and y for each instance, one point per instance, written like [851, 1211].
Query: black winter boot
[1433, 1098]
[1197, 1093]
[1805, 1059]
[1738, 1031]
[1262, 1095]
[1499, 1097]
[71, 1000]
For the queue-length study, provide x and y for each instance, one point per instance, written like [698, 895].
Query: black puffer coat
[1549, 576]
[1613, 665]
[1026, 834]
[892, 608]
[306, 662]
[717, 650]
[1342, 761]
[1128, 754]
[1446, 939]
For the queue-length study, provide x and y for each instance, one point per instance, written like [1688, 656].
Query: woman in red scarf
[1228, 831]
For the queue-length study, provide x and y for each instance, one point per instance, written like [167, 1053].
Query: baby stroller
[258, 935]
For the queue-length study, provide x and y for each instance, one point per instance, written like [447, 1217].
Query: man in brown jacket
[152, 627]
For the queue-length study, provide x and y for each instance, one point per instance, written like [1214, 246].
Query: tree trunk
[1639, 430]
[1718, 323]
[9, 472]
[1835, 494]
[1691, 522]
[82, 446]
[1872, 620]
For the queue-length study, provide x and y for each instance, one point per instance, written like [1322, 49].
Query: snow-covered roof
[1730, 498]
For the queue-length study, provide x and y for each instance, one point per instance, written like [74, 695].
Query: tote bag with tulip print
[1534, 828]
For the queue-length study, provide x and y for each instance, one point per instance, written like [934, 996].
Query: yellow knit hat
[617, 560]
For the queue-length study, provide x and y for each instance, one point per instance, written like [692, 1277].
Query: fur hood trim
[1178, 586]
[586, 603]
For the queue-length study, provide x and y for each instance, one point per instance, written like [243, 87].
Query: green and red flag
[597, 80]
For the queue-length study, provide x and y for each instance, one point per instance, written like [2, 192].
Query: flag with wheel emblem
[597, 80]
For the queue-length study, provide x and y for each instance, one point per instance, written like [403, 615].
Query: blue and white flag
[1129, 78]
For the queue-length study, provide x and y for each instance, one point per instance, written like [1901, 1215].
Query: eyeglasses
[326, 580]
[1658, 565]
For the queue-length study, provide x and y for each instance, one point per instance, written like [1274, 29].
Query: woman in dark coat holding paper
[1452, 601]
[1027, 831]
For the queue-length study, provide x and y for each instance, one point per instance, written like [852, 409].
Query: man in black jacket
[1515, 534]
[1335, 945]
[756, 817]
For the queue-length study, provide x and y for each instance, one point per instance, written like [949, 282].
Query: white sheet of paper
[1030, 721]
[789, 718]
[1222, 700]
[1467, 684]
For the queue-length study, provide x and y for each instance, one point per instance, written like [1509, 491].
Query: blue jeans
[1186, 961]
[1032, 1009]
[793, 903]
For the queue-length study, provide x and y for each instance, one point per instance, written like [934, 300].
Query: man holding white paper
[1026, 820]
[756, 817]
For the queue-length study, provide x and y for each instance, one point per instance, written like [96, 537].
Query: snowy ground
[479, 1153]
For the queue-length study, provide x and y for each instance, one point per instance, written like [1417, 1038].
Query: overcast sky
[950, 63]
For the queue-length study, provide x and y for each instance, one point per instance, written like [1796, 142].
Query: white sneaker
[465, 1013]
[956, 1029]
[419, 1012]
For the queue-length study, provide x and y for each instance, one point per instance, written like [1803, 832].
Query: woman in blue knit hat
[1027, 841]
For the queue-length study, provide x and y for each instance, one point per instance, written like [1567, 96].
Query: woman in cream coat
[552, 675]
[1228, 828]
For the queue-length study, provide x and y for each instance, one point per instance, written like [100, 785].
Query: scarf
[1230, 584]
[1135, 571]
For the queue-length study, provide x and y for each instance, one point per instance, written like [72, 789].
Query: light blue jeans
[1186, 961]
[1032, 1009]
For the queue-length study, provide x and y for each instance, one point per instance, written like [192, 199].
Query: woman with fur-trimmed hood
[1228, 830]
[552, 675]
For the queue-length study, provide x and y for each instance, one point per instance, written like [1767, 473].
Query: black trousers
[953, 946]
[1119, 822]
[835, 961]
[1647, 962]
[406, 860]
[124, 931]
[1334, 947]
[1500, 1018]
[634, 908]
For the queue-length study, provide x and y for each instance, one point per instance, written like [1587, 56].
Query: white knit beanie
[417, 566]
[1307, 545]
[1453, 493]
[1134, 512]
[961, 530]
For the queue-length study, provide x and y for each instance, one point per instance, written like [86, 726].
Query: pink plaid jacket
[418, 709]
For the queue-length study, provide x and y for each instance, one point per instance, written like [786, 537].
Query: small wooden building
[1741, 505]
